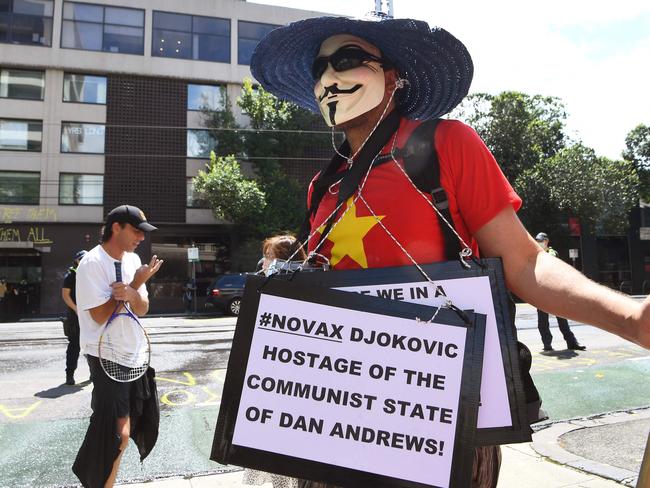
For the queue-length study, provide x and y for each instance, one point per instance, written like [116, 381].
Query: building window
[84, 88]
[26, 21]
[24, 84]
[199, 143]
[99, 28]
[78, 137]
[78, 189]
[205, 97]
[190, 37]
[19, 187]
[193, 198]
[21, 135]
[249, 34]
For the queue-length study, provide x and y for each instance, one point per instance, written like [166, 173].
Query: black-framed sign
[502, 417]
[350, 389]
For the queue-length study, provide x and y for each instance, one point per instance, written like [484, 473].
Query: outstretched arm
[554, 286]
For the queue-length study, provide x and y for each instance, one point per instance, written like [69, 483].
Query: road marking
[644, 358]
[189, 398]
[190, 380]
[618, 354]
[8, 412]
[584, 361]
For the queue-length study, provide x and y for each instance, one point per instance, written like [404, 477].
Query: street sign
[573, 253]
[192, 254]
[644, 233]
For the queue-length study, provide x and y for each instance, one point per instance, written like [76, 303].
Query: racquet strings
[117, 363]
[121, 365]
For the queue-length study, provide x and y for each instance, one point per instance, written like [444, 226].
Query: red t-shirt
[476, 188]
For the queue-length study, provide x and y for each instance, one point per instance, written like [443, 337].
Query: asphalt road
[42, 421]
[40, 415]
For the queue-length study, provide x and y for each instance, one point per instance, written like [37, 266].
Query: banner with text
[340, 387]
[502, 415]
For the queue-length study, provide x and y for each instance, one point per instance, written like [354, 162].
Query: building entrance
[20, 283]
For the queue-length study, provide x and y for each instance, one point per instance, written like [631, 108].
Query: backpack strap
[423, 167]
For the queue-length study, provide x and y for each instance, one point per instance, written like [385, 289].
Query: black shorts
[110, 395]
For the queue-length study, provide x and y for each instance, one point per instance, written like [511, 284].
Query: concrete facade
[48, 233]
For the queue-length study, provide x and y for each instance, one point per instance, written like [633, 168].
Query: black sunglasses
[345, 58]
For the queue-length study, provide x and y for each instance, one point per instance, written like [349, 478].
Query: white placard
[354, 389]
[468, 294]
[573, 253]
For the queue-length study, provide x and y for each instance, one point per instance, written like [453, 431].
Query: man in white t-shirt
[98, 295]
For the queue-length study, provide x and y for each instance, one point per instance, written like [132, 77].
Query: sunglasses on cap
[345, 58]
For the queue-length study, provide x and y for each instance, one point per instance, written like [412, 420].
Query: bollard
[644, 474]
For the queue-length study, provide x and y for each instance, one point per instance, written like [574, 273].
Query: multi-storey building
[100, 104]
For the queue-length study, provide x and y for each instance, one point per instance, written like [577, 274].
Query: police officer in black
[71, 323]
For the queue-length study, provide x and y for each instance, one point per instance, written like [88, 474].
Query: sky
[592, 54]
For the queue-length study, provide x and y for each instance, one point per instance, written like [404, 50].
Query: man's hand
[146, 271]
[123, 292]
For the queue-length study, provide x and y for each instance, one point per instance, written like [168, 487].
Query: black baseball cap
[128, 214]
[541, 237]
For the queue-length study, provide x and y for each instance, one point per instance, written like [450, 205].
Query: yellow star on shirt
[347, 236]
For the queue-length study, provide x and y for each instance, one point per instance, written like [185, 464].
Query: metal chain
[304, 244]
[448, 302]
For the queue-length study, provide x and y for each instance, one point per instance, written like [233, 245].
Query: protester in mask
[377, 81]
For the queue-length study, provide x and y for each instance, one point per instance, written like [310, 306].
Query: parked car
[226, 292]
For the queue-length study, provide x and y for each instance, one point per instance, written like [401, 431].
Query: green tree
[598, 190]
[555, 177]
[637, 151]
[281, 130]
[277, 131]
[231, 196]
[520, 129]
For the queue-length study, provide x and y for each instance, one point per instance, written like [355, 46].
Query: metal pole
[194, 284]
[644, 474]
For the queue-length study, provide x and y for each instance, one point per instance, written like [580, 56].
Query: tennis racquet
[124, 347]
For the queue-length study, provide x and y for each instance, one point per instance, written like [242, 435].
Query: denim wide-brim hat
[436, 65]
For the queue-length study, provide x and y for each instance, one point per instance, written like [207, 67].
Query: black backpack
[423, 167]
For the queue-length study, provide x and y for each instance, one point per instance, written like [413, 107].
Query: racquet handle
[118, 271]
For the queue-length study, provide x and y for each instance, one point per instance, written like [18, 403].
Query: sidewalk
[544, 463]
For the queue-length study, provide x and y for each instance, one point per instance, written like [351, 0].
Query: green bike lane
[38, 452]
[592, 382]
